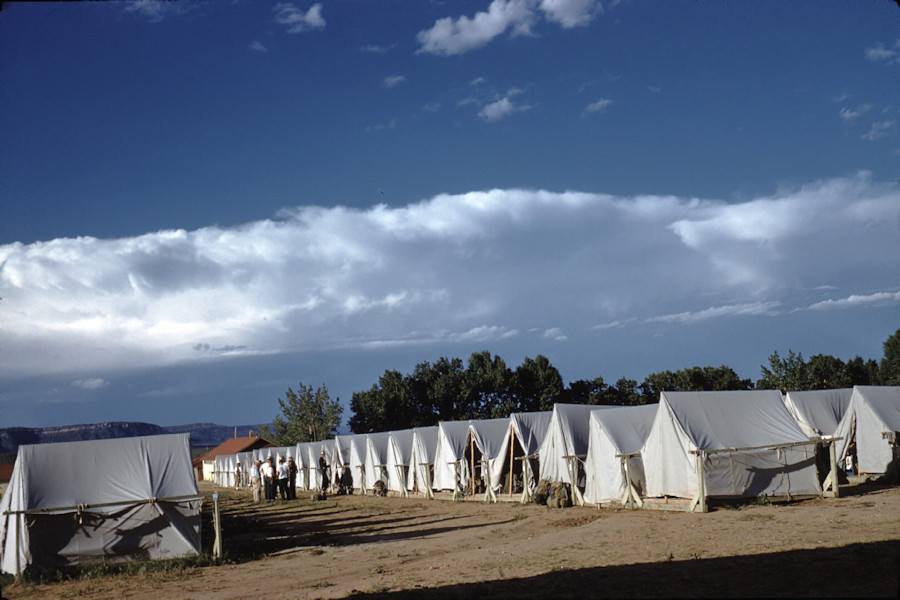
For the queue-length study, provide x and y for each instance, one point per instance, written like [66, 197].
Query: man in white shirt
[283, 479]
[255, 483]
[268, 473]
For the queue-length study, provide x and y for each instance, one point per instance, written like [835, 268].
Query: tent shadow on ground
[300, 529]
[856, 570]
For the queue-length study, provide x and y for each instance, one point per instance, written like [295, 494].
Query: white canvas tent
[399, 458]
[301, 457]
[873, 418]
[103, 500]
[450, 469]
[314, 451]
[377, 459]
[613, 467]
[224, 470]
[358, 461]
[491, 438]
[341, 456]
[565, 445]
[421, 467]
[746, 444]
[529, 430]
[818, 412]
[246, 461]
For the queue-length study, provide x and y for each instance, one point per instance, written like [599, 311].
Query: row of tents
[137, 498]
[691, 446]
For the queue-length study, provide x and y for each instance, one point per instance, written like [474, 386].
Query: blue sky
[202, 204]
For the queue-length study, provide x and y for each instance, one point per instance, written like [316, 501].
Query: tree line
[485, 387]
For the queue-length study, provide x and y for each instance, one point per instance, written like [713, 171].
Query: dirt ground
[368, 547]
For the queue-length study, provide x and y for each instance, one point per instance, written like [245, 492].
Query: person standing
[292, 478]
[323, 468]
[237, 476]
[268, 472]
[282, 479]
[255, 483]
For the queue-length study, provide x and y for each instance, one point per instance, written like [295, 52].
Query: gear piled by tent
[555, 494]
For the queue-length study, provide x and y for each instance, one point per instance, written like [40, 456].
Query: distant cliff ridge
[202, 434]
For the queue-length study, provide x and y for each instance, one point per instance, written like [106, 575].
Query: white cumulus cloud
[459, 268]
[296, 19]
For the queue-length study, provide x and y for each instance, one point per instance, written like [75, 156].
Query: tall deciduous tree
[787, 374]
[889, 370]
[307, 415]
[537, 385]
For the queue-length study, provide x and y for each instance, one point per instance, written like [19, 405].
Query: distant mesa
[202, 434]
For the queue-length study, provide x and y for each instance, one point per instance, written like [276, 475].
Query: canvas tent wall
[103, 500]
[358, 461]
[377, 459]
[314, 452]
[490, 437]
[302, 458]
[450, 469]
[613, 467]
[399, 457]
[424, 446]
[224, 473]
[246, 461]
[529, 430]
[565, 445]
[341, 454]
[818, 412]
[873, 419]
[746, 444]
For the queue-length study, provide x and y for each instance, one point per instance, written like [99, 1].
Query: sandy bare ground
[392, 547]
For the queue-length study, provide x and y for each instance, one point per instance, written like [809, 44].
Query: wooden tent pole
[512, 443]
[472, 461]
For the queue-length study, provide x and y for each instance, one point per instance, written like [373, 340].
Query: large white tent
[529, 430]
[450, 469]
[746, 444]
[223, 476]
[314, 450]
[873, 418]
[491, 439]
[818, 412]
[377, 459]
[102, 500]
[613, 467]
[358, 461]
[421, 469]
[565, 445]
[301, 457]
[399, 457]
[341, 456]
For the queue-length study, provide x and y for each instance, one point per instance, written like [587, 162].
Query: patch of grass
[168, 566]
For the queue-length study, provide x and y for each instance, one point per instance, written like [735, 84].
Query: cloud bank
[480, 266]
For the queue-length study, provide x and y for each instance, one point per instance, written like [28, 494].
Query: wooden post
[625, 461]
[512, 444]
[701, 484]
[217, 544]
[429, 492]
[472, 462]
[19, 534]
[835, 482]
[489, 495]
[577, 498]
[526, 481]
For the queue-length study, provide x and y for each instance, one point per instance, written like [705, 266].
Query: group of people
[266, 477]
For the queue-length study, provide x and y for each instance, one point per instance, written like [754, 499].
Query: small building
[205, 465]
